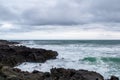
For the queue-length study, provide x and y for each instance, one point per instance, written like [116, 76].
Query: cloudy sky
[59, 19]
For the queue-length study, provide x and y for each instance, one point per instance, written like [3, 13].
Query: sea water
[102, 56]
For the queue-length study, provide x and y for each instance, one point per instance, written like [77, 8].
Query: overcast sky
[59, 19]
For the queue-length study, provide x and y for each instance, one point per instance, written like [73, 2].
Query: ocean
[102, 56]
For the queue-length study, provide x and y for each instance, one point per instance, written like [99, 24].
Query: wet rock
[13, 77]
[8, 73]
[14, 55]
[35, 71]
[70, 74]
[47, 74]
[2, 78]
[5, 42]
[114, 78]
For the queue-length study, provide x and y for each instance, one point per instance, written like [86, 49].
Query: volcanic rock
[12, 55]
[5, 42]
[114, 78]
[8, 73]
[71, 74]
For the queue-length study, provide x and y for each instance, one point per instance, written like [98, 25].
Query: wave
[104, 59]
[99, 55]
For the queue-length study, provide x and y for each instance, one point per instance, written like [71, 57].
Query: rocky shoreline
[12, 55]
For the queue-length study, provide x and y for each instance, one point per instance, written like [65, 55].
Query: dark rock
[70, 74]
[13, 55]
[5, 42]
[2, 78]
[13, 77]
[47, 74]
[114, 78]
[35, 71]
[56, 74]
[8, 73]
[16, 70]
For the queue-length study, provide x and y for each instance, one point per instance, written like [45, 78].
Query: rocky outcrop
[12, 55]
[71, 74]
[8, 73]
[5, 42]
[114, 78]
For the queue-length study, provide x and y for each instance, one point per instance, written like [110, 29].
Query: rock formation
[8, 73]
[71, 74]
[11, 55]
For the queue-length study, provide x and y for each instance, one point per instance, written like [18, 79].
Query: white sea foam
[73, 55]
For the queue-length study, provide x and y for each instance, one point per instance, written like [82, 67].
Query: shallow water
[94, 55]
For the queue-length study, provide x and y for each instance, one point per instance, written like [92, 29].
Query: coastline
[14, 55]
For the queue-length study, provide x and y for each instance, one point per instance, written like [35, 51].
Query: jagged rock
[2, 78]
[8, 73]
[5, 42]
[70, 74]
[13, 55]
[35, 71]
[114, 78]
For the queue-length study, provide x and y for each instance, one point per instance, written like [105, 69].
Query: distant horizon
[65, 39]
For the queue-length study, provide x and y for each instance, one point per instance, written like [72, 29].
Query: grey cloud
[106, 10]
[63, 12]
[6, 14]
[31, 13]
[74, 12]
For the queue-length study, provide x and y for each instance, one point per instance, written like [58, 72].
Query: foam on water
[103, 58]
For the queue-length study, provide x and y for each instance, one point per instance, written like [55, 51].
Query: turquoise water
[102, 56]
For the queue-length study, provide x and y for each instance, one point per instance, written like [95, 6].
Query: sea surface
[102, 56]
